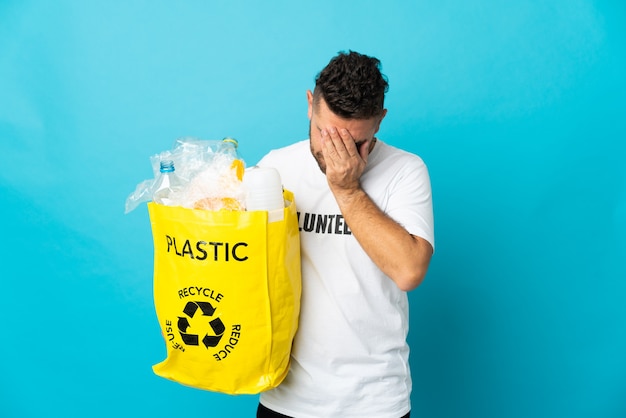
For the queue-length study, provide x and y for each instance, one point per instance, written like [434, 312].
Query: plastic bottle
[167, 184]
[229, 146]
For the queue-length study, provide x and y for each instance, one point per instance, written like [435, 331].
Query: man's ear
[381, 119]
[309, 99]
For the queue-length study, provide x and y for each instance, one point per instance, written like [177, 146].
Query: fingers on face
[339, 140]
[328, 148]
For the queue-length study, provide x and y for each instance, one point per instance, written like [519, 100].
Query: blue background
[518, 108]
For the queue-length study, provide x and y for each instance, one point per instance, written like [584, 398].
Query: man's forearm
[400, 255]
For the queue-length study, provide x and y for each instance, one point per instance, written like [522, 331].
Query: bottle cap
[231, 140]
[167, 166]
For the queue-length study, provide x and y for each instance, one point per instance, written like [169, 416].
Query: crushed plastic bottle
[229, 146]
[167, 184]
[208, 175]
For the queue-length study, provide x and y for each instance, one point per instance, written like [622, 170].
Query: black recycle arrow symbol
[216, 325]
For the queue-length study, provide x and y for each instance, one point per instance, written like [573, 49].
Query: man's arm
[401, 256]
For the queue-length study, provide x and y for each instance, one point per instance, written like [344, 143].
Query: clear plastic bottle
[167, 184]
[229, 146]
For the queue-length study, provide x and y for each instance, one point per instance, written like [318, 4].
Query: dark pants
[263, 412]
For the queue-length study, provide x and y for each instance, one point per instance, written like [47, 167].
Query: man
[366, 223]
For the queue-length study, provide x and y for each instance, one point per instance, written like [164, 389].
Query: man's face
[321, 117]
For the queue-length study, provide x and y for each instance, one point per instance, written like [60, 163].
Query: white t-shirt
[350, 356]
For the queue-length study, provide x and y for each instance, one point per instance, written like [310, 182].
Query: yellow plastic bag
[227, 296]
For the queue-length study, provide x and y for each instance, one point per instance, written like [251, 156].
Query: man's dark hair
[352, 86]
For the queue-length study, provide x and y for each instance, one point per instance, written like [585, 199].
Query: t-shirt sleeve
[263, 162]
[271, 159]
[410, 200]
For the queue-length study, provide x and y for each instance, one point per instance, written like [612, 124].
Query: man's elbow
[410, 273]
[411, 279]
